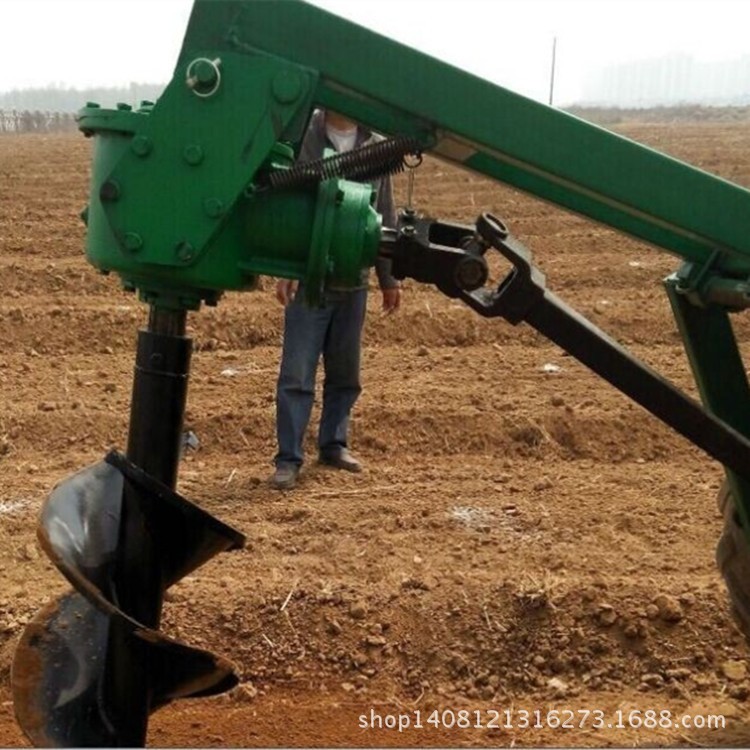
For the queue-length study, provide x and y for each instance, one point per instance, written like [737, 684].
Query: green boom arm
[174, 183]
[486, 128]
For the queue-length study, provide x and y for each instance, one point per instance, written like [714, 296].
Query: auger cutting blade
[61, 686]
[75, 659]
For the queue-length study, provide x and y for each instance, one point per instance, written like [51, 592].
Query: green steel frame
[184, 176]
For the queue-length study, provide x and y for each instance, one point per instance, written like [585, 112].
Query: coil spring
[365, 164]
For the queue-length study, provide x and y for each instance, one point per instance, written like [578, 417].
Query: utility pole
[552, 72]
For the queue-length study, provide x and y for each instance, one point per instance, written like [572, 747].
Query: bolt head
[205, 73]
[185, 252]
[213, 207]
[142, 145]
[132, 241]
[109, 191]
[193, 154]
[287, 86]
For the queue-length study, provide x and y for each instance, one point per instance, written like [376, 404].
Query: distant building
[670, 80]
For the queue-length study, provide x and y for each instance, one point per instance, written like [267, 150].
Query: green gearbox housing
[189, 246]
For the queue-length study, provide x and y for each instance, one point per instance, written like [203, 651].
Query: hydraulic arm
[199, 193]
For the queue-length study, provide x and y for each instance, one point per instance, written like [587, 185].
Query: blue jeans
[335, 331]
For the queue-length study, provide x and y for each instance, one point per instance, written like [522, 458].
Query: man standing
[333, 330]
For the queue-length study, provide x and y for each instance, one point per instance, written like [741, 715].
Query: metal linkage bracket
[451, 256]
[522, 296]
[705, 285]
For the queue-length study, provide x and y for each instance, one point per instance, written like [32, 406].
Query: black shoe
[341, 459]
[285, 477]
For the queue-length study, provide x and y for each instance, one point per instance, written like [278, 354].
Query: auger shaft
[154, 441]
[160, 385]
[154, 444]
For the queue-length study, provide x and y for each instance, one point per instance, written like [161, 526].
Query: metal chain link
[411, 164]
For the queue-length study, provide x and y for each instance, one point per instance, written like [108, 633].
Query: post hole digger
[199, 193]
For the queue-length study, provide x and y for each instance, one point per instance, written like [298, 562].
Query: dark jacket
[313, 146]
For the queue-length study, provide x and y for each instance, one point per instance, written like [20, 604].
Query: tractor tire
[733, 559]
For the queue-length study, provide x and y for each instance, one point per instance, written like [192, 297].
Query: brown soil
[507, 544]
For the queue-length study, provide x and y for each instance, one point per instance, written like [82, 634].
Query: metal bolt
[213, 207]
[470, 273]
[124, 107]
[93, 105]
[109, 191]
[408, 230]
[193, 154]
[287, 86]
[205, 73]
[185, 252]
[141, 145]
[132, 242]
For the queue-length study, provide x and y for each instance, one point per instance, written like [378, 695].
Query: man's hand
[391, 299]
[285, 290]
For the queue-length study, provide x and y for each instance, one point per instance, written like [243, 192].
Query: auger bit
[93, 665]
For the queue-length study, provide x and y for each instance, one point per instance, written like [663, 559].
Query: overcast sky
[82, 43]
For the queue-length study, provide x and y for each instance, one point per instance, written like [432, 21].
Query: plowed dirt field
[522, 538]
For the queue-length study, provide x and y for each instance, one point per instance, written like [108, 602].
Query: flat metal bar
[487, 128]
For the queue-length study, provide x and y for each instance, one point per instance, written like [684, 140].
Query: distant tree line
[52, 109]
[27, 121]
[608, 116]
[69, 100]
